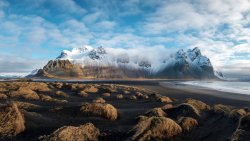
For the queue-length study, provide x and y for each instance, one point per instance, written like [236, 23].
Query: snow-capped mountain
[114, 63]
[88, 56]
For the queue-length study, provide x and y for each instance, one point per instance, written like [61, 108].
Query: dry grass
[106, 94]
[187, 123]
[183, 110]
[141, 96]
[86, 132]
[119, 96]
[237, 113]
[82, 94]
[58, 85]
[91, 89]
[222, 109]
[99, 100]
[158, 112]
[61, 94]
[199, 105]
[3, 96]
[132, 97]
[155, 128]
[126, 92]
[164, 99]
[167, 106]
[38, 86]
[75, 87]
[24, 92]
[26, 105]
[100, 110]
[11, 121]
[47, 98]
[242, 132]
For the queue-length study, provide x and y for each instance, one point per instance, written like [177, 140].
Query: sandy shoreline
[172, 88]
[181, 91]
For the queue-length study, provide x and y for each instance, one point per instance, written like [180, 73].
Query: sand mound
[242, 133]
[132, 97]
[82, 94]
[11, 121]
[86, 132]
[106, 94]
[61, 94]
[199, 105]
[36, 120]
[3, 96]
[75, 87]
[58, 85]
[183, 110]
[155, 112]
[187, 123]
[38, 86]
[222, 109]
[141, 96]
[155, 128]
[119, 96]
[91, 89]
[25, 93]
[99, 100]
[237, 113]
[26, 105]
[47, 98]
[164, 99]
[126, 92]
[167, 106]
[100, 110]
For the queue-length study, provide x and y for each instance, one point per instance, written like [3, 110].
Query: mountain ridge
[88, 62]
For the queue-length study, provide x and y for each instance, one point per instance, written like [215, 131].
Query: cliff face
[60, 68]
[98, 63]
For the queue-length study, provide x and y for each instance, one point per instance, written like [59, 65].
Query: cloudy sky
[34, 31]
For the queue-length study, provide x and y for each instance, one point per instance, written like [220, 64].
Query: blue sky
[34, 31]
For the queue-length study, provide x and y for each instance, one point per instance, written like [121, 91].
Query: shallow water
[224, 86]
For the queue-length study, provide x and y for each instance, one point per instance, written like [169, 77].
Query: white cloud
[68, 6]
[93, 17]
[3, 4]
[13, 63]
[105, 25]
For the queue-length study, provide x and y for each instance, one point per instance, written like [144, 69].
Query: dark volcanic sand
[182, 92]
[128, 109]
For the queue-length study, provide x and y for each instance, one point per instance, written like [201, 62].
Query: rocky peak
[58, 64]
[180, 54]
[193, 53]
[101, 50]
[202, 61]
[62, 55]
[96, 54]
[62, 68]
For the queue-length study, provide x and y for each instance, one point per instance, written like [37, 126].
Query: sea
[238, 87]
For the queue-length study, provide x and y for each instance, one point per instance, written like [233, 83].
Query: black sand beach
[47, 106]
